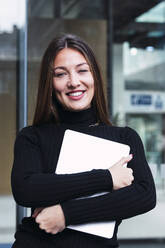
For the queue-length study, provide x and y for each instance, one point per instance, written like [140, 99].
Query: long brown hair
[46, 107]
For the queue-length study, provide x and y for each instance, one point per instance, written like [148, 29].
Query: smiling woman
[73, 81]
[70, 65]
[71, 96]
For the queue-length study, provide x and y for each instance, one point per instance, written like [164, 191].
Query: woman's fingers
[52, 230]
[51, 219]
[121, 175]
[125, 160]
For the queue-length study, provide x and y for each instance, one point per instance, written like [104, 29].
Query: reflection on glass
[155, 14]
[68, 9]
[139, 93]
[144, 68]
[150, 128]
[10, 21]
[11, 17]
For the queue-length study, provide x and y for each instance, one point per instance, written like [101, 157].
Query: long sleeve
[132, 200]
[32, 187]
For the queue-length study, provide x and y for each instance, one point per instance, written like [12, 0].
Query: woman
[70, 96]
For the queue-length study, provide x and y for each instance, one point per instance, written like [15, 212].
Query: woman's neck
[82, 117]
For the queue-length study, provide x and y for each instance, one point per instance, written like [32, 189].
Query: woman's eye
[83, 70]
[60, 74]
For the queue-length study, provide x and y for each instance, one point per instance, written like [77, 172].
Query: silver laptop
[82, 152]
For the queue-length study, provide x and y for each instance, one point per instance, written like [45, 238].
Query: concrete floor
[142, 245]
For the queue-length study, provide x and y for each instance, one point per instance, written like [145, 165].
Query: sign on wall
[152, 102]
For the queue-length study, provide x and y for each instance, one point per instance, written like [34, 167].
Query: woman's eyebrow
[82, 64]
[64, 68]
[60, 67]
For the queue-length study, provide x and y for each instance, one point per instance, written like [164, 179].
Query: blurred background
[128, 38]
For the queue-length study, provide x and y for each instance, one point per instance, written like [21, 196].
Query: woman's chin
[77, 108]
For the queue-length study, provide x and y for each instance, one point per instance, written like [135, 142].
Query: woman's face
[73, 81]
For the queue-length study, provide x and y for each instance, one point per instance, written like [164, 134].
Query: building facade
[128, 39]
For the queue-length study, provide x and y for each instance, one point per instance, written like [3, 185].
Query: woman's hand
[50, 219]
[121, 175]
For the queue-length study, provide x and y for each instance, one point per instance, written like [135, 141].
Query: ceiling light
[133, 51]
[150, 48]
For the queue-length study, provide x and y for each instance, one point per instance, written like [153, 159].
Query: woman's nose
[73, 80]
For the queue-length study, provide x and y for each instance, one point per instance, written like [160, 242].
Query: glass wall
[9, 24]
[139, 98]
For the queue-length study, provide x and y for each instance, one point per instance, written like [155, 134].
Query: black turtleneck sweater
[35, 184]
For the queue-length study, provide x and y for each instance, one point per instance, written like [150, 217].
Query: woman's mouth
[75, 95]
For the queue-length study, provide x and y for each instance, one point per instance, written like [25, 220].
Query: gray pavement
[150, 245]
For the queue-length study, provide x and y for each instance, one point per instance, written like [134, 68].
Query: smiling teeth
[76, 93]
